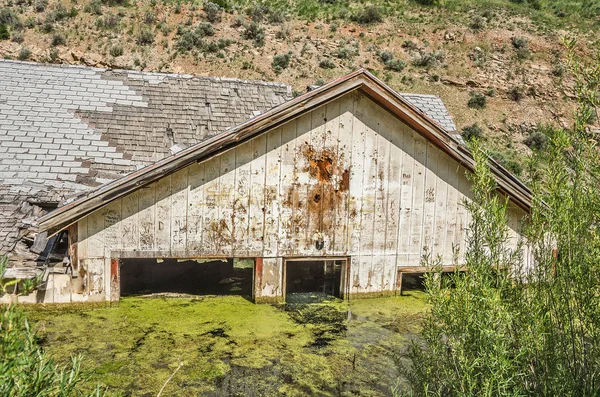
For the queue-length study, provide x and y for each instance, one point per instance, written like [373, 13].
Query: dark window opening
[320, 277]
[413, 282]
[187, 276]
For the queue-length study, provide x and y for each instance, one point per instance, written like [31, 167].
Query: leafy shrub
[205, 29]
[558, 70]
[477, 100]
[537, 140]
[116, 51]
[8, 17]
[326, 63]
[24, 54]
[386, 56]
[149, 17]
[254, 31]
[428, 2]
[145, 37]
[110, 21]
[477, 22]
[428, 59]
[280, 62]
[40, 5]
[368, 15]
[347, 51]
[4, 35]
[472, 132]
[189, 39]
[262, 12]
[58, 39]
[93, 7]
[390, 63]
[521, 46]
[213, 11]
[53, 56]
[508, 161]
[410, 45]
[516, 93]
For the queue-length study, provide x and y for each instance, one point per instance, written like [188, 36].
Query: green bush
[537, 140]
[93, 7]
[428, 2]
[428, 59]
[280, 62]
[149, 17]
[516, 93]
[213, 11]
[116, 51]
[24, 54]
[477, 100]
[145, 37]
[368, 15]
[4, 35]
[386, 56]
[262, 12]
[17, 37]
[326, 63]
[255, 32]
[40, 5]
[477, 22]
[472, 132]
[397, 65]
[58, 39]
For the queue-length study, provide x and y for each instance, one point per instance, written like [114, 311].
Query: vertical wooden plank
[301, 192]
[195, 221]
[82, 239]
[272, 177]
[331, 196]
[344, 155]
[430, 197]
[382, 194]
[113, 238]
[406, 192]
[356, 179]
[163, 214]
[462, 217]
[288, 229]
[211, 236]
[95, 248]
[393, 131]
[179, 207]
[441, 203]
[241, 206]
[257, 196]
[367, 112]
[451, 211]
[226, 195]
[314, 153]
[416, 221]
[147, 216]
[130, 222]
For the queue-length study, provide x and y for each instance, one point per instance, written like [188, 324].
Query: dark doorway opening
[412, 282]
[187, 276]
[313, 277]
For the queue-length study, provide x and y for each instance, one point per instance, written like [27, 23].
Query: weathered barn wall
[346, 179]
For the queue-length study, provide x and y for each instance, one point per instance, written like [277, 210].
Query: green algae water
[231, 347]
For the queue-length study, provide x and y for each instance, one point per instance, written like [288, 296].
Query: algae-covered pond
[231, 347]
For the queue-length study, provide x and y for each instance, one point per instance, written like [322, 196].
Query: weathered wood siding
[347, 176]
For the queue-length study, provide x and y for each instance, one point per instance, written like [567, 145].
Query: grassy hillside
[497, 64]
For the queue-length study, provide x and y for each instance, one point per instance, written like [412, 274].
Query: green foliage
[265, 13]
[368, 15]
[4, 35]
[472, 132]
[521, 46]
[194, 38]
[504, 328]
[390, 63]
[58, 39]
[428, 2]
[426, 59]
[327, 63]
[24, 54]
[537, 140]
[40, 5]
[149, 17]
[145, 37]
[25, 370]
[516, 93]
[17, 37]
[116, 51]
[213, 11]
[280, 62]
[477, 100]
[477, 22]
[255, 32]
[93, 7]
[8, 17]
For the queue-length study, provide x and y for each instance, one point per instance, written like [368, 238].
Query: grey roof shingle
[432, 106]
[65, 129]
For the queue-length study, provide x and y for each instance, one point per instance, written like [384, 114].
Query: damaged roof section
[66, 129]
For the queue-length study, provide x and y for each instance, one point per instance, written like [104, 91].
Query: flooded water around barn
[316, 345]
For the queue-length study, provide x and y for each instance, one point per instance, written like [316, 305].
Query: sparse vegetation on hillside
[448, 48]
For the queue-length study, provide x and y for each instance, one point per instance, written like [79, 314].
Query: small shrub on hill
[428, 59]
[58, 39]
[17, 37]
[255, 32]
[537, 140]
[4, 35]
[213, 11]
[516, 93]
[477, 100]
[326, 63]
[145, 37]
[116, 51]
[472, 132]
[280, 62]
[24, 54]
[368, 15]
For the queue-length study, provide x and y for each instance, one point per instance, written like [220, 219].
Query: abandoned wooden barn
[349, 180]
[340, 190]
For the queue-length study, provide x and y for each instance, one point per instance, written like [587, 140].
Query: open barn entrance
[187, 276]
[307, 280]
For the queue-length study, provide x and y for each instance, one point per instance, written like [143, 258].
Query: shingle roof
[65, 129]
[433, 106]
